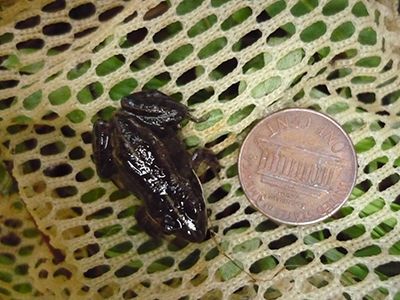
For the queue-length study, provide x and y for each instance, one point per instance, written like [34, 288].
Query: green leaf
[230, 270]
[369, 62]
[202, 26]
[291, 59]
[11, 62]
[359, 10]
[161, 264]
[266, 87]
[367, 36]
[76, 116]
[79, 70]
[334, 6]
[248, 246]
[343, 32]
[212, 47]
[90, 92]
[365, 144]
[240, 115]
[213, 117]
[110, 65]
[93, 195]
[236, 18]
[303, 7]
[60, 95]
[186, 6]
[32, 68]
[178, 54]
[313, 32]
[123, 88]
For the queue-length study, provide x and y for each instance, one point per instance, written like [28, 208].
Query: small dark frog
[139, 150]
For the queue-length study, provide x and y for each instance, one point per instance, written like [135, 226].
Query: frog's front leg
[102, 149]
[146, 223]
[204, 155]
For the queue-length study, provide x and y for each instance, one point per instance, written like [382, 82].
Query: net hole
[53, 148]
[354, 275]
[86, 251]
[65, 192]
[68, 213]
[57, 29]
[388, 270]
[58, 171]
[190, 75]
[190, 260]
[7, 103]
[247, 40]
[6, 84]
[75, 232]
[167, 32]
[28, 23]
[85, 32]
[11, 239]
[54, 6]
[26, 145]
[110, 13]
[82, 11]
[144, 61]
[282, 242]
[219, 193]
[264, 264]
[201, 96]
[157, 10]
[100, 214]
[351, 233]
[127, 270]
[134, 37]
[30, 166]
[96, 271]
[228, 211]
[266, 225]
[237, 227]
[299, 260]
[13, 223]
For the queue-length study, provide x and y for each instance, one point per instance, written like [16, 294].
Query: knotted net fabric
[66, 63]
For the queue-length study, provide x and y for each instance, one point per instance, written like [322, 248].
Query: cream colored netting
[66, 63]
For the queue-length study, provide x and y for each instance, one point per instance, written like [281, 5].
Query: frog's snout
[196, 231]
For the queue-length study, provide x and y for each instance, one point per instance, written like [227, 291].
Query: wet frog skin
[139, 150]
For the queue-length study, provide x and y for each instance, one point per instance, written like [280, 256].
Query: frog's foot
[204, 155]
[102, 149]
[146, 223]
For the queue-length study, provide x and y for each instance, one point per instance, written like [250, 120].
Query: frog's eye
[171, 224]
[193, 208]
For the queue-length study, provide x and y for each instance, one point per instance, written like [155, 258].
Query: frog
[140, 150]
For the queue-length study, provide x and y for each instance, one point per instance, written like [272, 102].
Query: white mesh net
[64, 64]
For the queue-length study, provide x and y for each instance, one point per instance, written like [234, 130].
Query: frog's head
[184, 212]
[189, 224]
[194, 229]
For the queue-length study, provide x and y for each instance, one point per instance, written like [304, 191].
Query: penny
[297, 166]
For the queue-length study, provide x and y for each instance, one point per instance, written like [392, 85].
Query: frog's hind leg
[155, 108]
[146, 223]
[102, 149]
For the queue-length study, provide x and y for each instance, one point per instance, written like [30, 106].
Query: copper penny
[297, 166]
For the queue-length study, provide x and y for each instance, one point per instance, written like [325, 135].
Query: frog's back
[161, 175]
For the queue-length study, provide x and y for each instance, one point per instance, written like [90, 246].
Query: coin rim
[353, 154]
